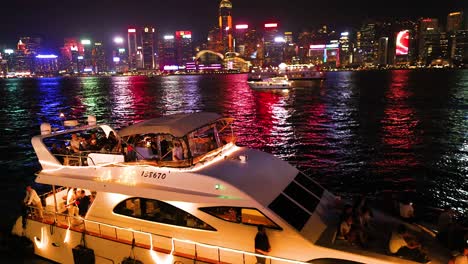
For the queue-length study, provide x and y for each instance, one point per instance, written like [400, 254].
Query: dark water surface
[373, 132]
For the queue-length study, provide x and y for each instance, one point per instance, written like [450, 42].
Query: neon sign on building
[402, 43]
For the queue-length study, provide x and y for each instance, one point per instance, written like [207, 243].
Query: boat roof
[177, 125]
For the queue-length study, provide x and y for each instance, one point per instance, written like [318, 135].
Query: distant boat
[271, 83]
[300, 72]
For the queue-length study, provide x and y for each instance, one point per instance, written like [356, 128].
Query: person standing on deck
[33, 199]
[262, 245]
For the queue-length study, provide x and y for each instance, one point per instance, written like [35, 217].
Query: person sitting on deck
[345, 228]
[403, 244]
[407, 211]
[75, 143]
[461, 258]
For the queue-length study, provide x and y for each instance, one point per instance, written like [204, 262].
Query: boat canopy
[177, 125]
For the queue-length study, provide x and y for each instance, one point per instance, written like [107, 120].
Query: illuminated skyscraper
[346, 49]
[132, 49]
[367, 47]
[167, 53]
[147, 41]
[461, 48]
[428, 29]
[184, 49]
[273, 45]
[98, 58]
[225, 25]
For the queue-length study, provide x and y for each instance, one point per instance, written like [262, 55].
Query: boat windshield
[210, 139]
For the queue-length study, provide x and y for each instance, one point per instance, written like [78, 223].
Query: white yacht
[199, 204]
[271, 83]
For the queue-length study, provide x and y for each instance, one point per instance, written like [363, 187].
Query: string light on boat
[41, 242]
[128, 176]
[106, 176]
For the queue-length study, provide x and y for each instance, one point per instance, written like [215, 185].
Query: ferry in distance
[271, 83]
[177, 189]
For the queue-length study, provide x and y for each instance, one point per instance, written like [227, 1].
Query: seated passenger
[407, 211]
[403, 244]
[93, 143]
[177, 152]
[461, 258]
[75, 144]
[345, 228]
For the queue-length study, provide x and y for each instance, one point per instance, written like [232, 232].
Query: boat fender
[46, 129]
[82, 254]
[130, 259]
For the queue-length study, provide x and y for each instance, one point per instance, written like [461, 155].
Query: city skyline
[101, 21]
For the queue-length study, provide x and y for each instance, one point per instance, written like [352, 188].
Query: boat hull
[56, 243]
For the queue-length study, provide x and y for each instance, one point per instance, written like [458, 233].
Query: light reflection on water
[370, 132]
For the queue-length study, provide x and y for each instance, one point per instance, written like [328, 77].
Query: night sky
[101, 20]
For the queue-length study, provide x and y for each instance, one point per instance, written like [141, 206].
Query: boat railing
[154, 242]
[82, 158]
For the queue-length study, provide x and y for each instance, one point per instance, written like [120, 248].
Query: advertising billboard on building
[402, 42]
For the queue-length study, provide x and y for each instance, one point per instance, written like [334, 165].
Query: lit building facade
[367, 47]
[273, 45]
[346, 49]
[132, 48]
[98, 58]
[225, 25]
[461, 48]
[183, 47]
[147, 42]
[167, 54]
[427, 29]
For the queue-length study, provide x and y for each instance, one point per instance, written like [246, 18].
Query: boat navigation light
[62, 115]
[45, 129]
[91, 120]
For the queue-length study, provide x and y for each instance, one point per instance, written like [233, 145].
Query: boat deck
[77, 224]
[379, 233]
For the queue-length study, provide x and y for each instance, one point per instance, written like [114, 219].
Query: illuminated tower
[225, 25]
[132, 49]
[147, 39]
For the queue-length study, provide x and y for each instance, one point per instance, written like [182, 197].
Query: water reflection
[356, 131]
[400, 125]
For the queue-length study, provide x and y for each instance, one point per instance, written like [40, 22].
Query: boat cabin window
[248, 216]
[203, 140]
[211, 137]
[158, 211]
[298, 200]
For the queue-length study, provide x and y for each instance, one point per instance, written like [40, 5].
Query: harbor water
[371, 132]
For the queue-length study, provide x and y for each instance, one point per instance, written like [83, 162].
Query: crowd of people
[355, 223]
